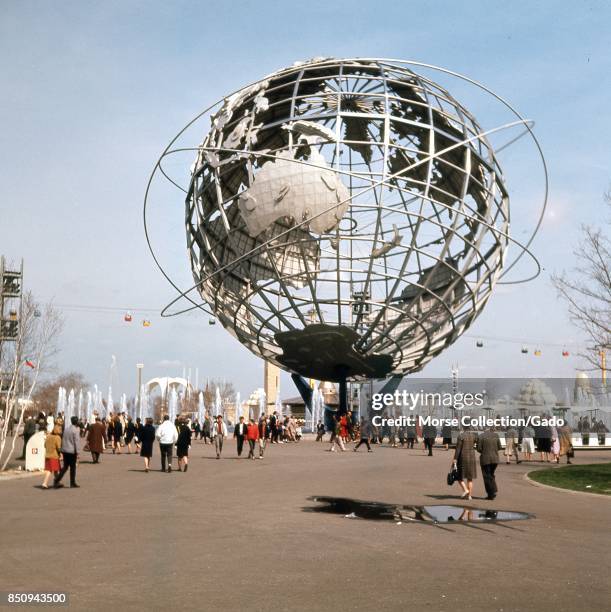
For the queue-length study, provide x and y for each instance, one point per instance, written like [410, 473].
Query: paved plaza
[233, 535]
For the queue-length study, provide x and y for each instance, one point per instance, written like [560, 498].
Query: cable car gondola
[565, 353]
[127, 317]
[146, 323]
[211, 321]
[524, 350]
[537, 353]
[479, 344]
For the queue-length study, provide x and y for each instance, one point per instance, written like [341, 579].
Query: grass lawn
[594, 478]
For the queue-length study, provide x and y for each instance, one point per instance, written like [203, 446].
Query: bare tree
[34, 347]
[587, 290]
[209, 394]
[45, 396]
[226, 391]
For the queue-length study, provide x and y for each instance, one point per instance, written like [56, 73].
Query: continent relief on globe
[296, 190]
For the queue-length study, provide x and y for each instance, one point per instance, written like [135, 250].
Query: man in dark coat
[273, 427]
[70, 450]
[239, 433]
[96, 439]
[488, 446]
[412, 435]
[320, 431]
[429, 433]
[207, 429]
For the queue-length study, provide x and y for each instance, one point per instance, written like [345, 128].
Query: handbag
[452, 475]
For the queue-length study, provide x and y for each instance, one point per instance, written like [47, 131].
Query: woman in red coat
[343, 428]
[252, 435]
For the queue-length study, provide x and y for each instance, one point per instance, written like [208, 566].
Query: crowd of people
[120, 433]
[522, 444]
[587, 426]
[278, 428]
[550, 442]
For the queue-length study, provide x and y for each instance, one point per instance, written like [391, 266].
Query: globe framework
[346, 218]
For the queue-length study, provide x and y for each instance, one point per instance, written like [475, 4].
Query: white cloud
[169, 363]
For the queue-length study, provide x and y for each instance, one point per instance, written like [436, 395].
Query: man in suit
[488, 446]
[273, 426]
[239, 433]
[70, 450]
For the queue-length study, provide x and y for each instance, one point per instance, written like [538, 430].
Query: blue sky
[93, 91]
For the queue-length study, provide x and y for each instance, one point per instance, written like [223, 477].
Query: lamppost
[139, 367]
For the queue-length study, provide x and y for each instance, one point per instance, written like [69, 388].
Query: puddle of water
[436, 514]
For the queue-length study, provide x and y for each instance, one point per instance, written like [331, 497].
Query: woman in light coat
[464, 459]
[528, 443]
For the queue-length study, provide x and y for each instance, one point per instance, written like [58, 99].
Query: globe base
[326, 352]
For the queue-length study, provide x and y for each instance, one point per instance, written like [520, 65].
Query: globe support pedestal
[343, 391]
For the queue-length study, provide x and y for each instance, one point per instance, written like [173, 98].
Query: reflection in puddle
[435, 514]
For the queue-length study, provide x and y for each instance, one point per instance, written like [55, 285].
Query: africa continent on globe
[286, 188]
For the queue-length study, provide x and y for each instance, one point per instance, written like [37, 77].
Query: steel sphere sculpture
[346, 219]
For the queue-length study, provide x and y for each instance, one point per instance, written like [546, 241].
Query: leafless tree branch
[587, 289]
[36, 341]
